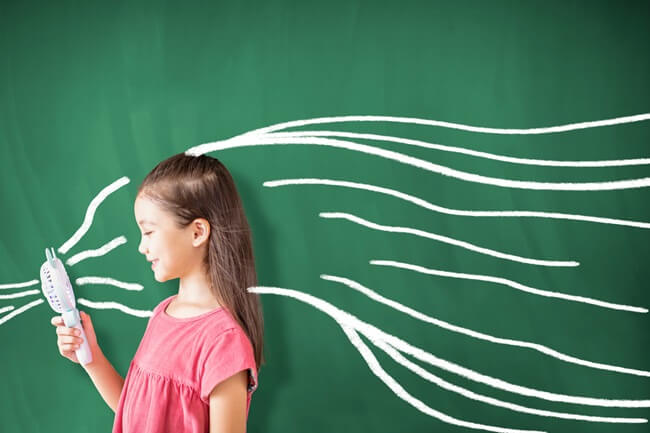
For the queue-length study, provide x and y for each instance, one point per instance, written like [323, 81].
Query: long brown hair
[190, 187]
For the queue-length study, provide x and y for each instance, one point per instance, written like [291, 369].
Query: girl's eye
[147, 233]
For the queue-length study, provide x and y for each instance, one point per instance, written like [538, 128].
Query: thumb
[85, 320]
[87, 324]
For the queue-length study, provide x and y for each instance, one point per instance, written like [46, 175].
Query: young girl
[197, 364]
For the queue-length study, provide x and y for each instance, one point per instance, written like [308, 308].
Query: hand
[69, 339]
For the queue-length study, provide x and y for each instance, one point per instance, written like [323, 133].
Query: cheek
[168, 250]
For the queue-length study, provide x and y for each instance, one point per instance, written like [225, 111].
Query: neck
[194, 288]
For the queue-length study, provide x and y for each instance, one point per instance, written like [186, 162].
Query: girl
[198, 362]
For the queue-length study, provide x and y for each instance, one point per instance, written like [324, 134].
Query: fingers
[71, 342]
[69, 339]
[62, 330]
[69, 348]
[68, 345]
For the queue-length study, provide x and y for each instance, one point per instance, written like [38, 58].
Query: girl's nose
[141, 247]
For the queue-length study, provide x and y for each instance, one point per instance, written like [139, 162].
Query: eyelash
[147, 233]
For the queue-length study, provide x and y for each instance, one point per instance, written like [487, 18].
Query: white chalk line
[510, 283]
[373, 333]
[19, 285]
[254, 140]
[108, 281]
[459, 126]
[20, 294]
[480, 335]
[7, 308]
[447, 240]
[20, 310]
[394, 386]
[111, 305]
[471, 213]
[493, 401]
[103, 250]
[90, 213]
[374, 364]
[462, 150]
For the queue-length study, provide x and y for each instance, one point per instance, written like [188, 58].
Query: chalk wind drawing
[393, 346]
[74, 260]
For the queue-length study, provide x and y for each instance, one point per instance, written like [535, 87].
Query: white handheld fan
[58, 291]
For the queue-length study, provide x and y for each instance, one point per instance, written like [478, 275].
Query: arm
[107, 381]
[228, 405]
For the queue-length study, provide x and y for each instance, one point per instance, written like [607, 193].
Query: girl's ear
[200, 231]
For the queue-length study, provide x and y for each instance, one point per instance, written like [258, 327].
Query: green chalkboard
[450, 316]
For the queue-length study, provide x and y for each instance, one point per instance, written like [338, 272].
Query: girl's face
[173, 251]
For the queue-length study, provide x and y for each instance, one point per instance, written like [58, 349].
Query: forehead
[147, 212]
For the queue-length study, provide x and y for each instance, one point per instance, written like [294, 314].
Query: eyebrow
[146, 222]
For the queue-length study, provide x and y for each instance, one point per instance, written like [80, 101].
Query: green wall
[90, 93]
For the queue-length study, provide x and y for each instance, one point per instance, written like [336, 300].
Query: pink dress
[176, 366]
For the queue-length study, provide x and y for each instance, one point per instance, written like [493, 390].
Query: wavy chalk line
[479, 335]
[108, 281]
[20, 294]
[460, 126]
[7, 308]
[374, 333]
[375, 367]
[111, 305]
[255, 140]
[19, 285]
[90, 213]
[447, 240]
[464, 151]
[103, 250]
[510, 283]
[471, 213]
[19, 310]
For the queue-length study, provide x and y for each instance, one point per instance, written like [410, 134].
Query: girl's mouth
[153, 264]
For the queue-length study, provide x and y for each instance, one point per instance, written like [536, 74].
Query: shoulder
[228, 348]
[232, 338]
[221, 340]
[162, 304]
[219, 325]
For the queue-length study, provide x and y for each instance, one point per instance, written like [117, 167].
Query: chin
[163, 278]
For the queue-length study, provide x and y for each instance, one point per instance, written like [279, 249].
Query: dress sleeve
[231, 353]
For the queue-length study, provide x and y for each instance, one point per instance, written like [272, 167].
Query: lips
[153, 263]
